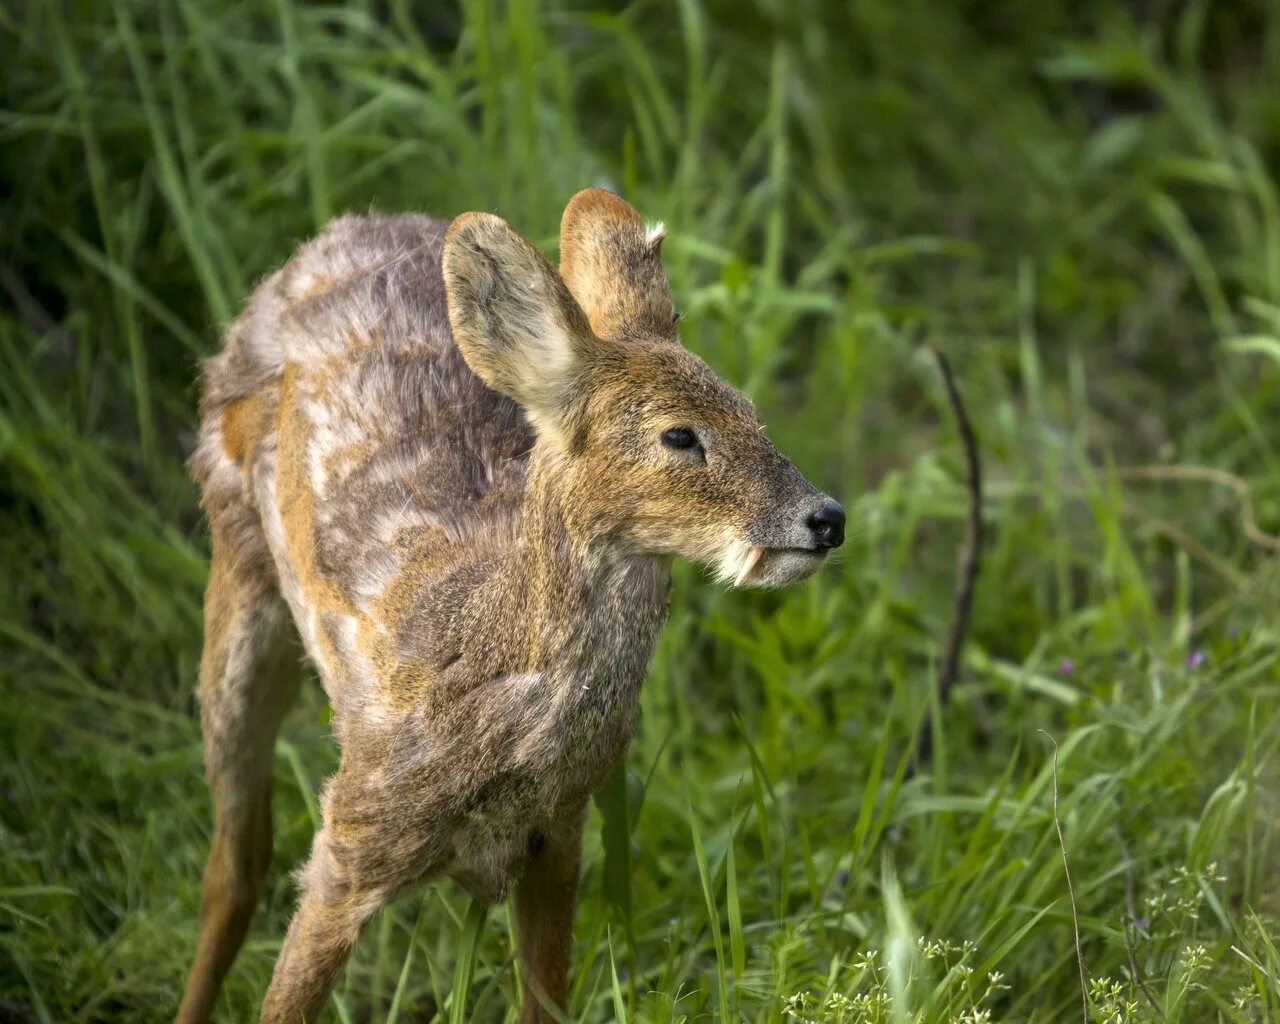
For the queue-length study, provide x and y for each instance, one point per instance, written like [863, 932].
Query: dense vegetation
[1076, 201]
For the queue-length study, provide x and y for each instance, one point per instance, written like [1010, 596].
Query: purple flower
[1066, 667]
[1195, 659]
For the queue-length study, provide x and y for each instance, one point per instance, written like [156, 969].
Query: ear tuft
[612, 264]
[516, 323]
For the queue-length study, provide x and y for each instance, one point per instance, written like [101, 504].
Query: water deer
[460, 478]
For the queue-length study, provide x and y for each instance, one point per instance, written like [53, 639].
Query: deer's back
[345, 444]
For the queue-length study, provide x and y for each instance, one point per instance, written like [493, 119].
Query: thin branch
[1182, 539]
[967, 567]
[1071, 892]
[1210, 475]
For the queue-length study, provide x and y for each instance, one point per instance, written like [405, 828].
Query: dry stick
[1179, 537]
[967, 568]
[1209, 475]
[1071, 892]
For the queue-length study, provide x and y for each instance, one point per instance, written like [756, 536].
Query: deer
[454, 479]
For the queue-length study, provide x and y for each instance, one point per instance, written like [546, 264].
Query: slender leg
[321, 935]
[545, 902]
[249, 676]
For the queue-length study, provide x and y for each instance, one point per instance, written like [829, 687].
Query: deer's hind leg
[249, 675]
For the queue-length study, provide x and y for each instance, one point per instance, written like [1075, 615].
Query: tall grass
[1078, 202]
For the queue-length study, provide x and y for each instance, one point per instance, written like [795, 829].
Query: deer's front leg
[546, 898]
[323, 930]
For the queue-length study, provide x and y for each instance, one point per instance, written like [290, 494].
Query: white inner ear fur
[519, 339]
[654, 233]
[544, 370]
[539, 369]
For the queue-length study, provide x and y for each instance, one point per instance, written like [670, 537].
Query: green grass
[1076, 201]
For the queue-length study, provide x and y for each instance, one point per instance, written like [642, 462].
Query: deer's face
[673, 459]
[655, 450]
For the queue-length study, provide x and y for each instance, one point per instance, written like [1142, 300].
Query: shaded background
[1075, 200]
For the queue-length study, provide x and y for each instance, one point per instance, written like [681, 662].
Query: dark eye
[679, 437]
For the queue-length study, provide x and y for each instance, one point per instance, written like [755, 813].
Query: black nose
[827, 525]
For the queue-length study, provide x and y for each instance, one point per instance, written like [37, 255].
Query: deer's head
[649, 448]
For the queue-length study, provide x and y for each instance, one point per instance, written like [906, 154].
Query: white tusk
[748, 563]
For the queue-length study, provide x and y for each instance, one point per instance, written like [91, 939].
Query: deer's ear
[612, 264]
[516, 323]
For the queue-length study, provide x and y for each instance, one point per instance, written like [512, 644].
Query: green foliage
[1077, 201]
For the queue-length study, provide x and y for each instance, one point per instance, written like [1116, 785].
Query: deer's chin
[778, 567]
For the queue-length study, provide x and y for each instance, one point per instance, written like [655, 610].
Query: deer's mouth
[778, 567]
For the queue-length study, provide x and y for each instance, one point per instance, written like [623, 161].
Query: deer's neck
[588, 597]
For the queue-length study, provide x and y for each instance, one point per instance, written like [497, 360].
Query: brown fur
[447, 459]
